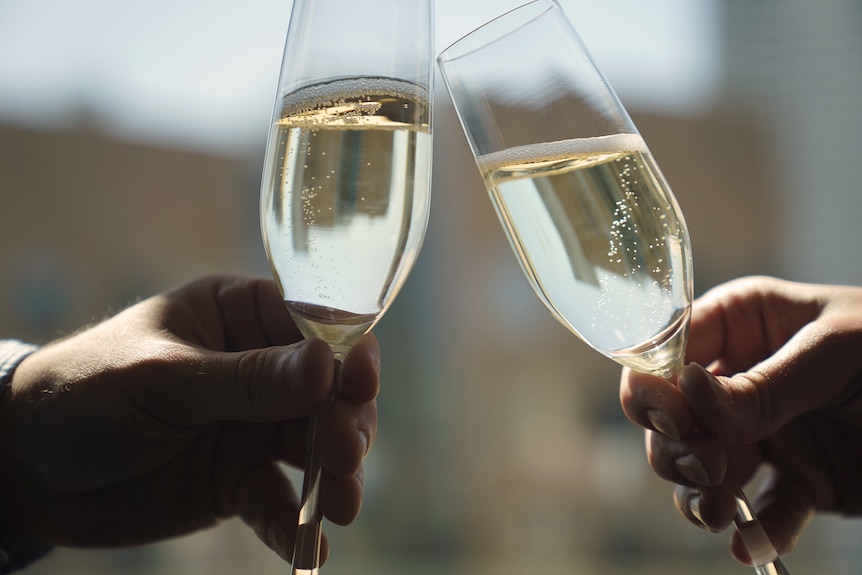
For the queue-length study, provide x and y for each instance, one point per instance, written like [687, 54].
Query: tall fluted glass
[346, 184]
[584, 205]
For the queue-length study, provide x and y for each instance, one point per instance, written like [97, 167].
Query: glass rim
[488, 33]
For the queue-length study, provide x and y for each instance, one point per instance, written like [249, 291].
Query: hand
[781, 390]
[176, 413]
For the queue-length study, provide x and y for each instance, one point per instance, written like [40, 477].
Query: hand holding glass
[346, 183]
[588, 213]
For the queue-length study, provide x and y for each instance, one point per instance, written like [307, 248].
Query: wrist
[12, 352]
[16, 549]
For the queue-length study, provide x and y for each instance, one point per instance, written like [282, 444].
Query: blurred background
[131, 144]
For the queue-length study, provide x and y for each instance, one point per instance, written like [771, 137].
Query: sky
[201, 73]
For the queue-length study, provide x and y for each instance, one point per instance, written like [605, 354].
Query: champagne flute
[346, 183]
[590, 218]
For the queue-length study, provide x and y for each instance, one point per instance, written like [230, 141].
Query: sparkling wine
[602, 242]
[345, 201]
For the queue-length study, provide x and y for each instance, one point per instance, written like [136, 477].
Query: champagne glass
[589, 216]
[346, 182]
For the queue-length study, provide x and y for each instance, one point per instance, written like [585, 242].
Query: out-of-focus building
[797, 65]
[91, 223]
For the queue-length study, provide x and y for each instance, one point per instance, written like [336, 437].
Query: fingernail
[692, 469]
[694, 510]
[366, 440]
[694, 514]
[663, 424]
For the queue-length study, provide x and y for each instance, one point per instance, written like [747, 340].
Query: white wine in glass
[587, 211]
[345, 192]
[603, 242]
[345, 201]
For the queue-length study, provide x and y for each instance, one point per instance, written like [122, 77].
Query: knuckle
[754, 406]
[251, 369]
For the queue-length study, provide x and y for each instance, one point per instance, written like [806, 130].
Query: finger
[291, 443]
[784, 507]
[698, 461]
[341, 497]
[812, 371]
[740, 323]
[348, 430]
[710, 508]
[228, 313]
[254, 315]
[360, 373]
[272, 384]
[655, 403]
[267, 503]
[725, 326]
[345, 436]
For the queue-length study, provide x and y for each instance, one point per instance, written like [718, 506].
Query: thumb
[812, 370]
[271, 384]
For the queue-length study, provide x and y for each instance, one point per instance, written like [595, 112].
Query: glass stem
[306, 551]
[763, 554]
